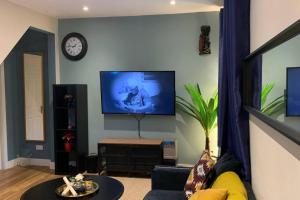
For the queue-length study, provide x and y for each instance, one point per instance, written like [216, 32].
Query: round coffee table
[109, 189]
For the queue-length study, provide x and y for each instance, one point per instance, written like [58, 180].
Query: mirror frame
[247, 93]
[26, 138]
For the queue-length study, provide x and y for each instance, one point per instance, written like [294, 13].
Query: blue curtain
[233, 120]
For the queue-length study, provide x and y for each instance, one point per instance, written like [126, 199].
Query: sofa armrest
[250, 192]
[169, 178]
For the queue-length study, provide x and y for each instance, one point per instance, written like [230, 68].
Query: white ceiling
[105, 8]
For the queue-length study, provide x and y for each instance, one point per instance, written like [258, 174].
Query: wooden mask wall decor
[204, 43]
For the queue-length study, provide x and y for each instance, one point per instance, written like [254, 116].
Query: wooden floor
[15, 181]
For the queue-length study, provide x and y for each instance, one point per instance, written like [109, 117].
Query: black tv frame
[138, 114]
[286, 94]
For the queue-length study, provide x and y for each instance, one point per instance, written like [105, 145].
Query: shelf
[66, 152]
[65, 129]
[116, 156]
[146, 156]
[67, 114]
[65, 107]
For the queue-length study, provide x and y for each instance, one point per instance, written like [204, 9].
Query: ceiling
[107, 8]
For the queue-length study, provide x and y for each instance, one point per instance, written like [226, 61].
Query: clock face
[74, 46]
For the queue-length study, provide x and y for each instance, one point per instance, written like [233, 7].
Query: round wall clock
[74, 46]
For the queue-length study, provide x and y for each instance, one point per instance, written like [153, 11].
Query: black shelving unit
[131, 156]
[70, 116]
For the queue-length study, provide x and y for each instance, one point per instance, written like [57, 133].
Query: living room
[182, 39]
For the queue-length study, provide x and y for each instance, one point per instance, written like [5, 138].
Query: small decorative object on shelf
[76, 187]
[68, 137]
[69, 100]
[204, 43]
[71, 126]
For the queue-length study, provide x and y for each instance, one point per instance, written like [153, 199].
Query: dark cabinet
[70, 127]
[129, 155]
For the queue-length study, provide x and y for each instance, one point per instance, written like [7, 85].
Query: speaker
[91, 164]
[170, 152]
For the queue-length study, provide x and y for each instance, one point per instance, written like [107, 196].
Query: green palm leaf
[265, 92]
[275, 105]
[203, 111]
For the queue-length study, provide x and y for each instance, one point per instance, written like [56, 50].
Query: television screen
[293, 91]
[138, 92]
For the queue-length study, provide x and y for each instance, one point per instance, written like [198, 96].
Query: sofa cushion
[169, 178]
[226, 163]
[198, 174]
[210, 194]
[233, 184]
[165, 195]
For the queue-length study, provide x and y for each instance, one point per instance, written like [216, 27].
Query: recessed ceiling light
[85, 8]
[172, 2]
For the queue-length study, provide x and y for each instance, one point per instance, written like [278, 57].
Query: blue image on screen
[138, 92]
[293, 91]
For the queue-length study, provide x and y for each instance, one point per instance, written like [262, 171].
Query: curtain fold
[233, 120]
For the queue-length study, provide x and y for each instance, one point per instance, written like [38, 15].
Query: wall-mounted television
[138, 92]
[293, 91]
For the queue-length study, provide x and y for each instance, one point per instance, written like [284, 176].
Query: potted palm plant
[203, 111]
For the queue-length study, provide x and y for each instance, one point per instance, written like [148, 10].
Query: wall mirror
[272, 82]
[281, 83]
[34, 97]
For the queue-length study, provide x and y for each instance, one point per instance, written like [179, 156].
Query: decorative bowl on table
[82, 187]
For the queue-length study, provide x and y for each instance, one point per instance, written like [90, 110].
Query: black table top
[109, 189]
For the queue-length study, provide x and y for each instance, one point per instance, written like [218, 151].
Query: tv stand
[130, 156]
[139, 117]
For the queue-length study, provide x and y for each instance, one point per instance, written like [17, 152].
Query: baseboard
[39, 162]
[30, 161]
[11, 163]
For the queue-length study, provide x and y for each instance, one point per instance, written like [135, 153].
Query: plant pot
[68, 147]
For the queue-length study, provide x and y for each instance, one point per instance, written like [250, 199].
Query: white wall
[275, 163]
[15, 20]
[275, 169]
[269, 17]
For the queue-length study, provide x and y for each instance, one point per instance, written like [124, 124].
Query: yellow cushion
[233, 184]
[210, 194]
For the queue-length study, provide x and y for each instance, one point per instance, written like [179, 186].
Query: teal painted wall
[161, 42]
[31, 41]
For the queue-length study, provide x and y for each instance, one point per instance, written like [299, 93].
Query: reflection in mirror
[34, 97]
[276, 99]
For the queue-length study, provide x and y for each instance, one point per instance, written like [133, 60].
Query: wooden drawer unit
[129, 155]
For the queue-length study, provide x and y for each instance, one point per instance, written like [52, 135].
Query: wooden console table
[129, 155]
